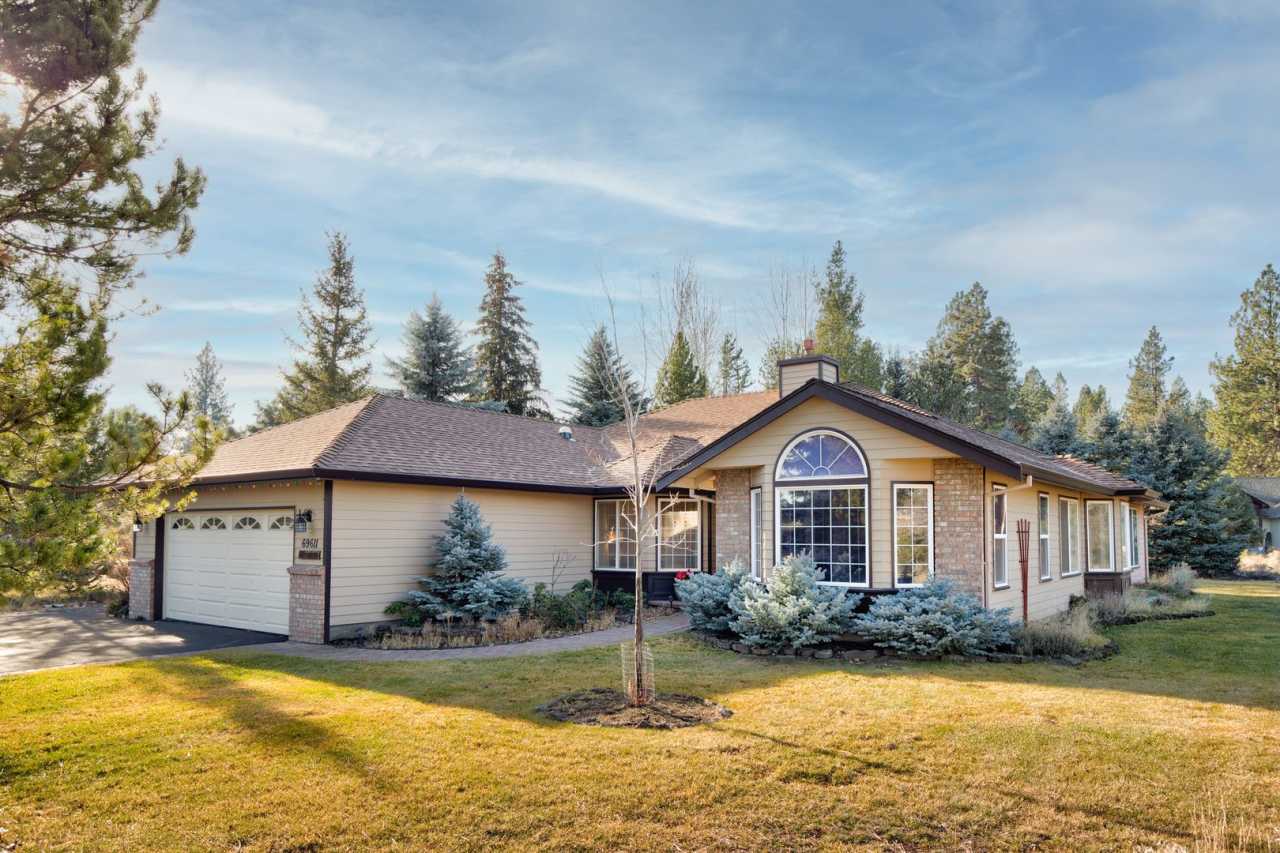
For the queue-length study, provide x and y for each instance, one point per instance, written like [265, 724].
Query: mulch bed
[601, 706]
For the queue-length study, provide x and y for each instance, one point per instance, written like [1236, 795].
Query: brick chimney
[794, 372]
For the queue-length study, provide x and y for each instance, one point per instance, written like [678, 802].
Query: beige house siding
[892, 456]
[792, 376]
[301, 495]
[384, 537]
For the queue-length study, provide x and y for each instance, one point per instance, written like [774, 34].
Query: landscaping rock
[723, 644]
[823, 654]
[805, 653]
[859, 655]
[740, 648]
[760, 651]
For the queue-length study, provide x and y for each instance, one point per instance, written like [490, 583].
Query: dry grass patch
[240, 750]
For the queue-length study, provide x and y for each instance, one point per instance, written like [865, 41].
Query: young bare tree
[789, 311]
[685, 306]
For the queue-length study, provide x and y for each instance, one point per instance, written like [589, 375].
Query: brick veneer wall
[733, 516]
[958, 524]
[306, 604]
[142, 601]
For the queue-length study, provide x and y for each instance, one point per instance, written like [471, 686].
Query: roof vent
[566, 433]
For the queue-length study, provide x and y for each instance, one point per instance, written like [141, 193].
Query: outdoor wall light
[302, 521]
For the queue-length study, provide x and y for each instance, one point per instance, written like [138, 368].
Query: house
[1264, 493]
[312, 528]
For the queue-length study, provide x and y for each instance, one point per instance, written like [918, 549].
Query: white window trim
[1111, 528]
[757, 529]
[998, 490]
[1046, 570]
[663, 503]
[1131, 538]
[595, 535]
[838, 478]
[1073, 553]
[866, 507]
[893, 541]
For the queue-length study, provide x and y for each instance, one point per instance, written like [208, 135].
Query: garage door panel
[235, 574]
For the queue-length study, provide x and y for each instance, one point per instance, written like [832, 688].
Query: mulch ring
[601, 706]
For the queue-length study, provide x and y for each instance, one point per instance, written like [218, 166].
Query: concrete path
[608, 637]
[68, 636]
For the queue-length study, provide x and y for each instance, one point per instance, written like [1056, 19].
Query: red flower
[682, 575]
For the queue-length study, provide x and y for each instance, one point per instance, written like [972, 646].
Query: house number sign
[309, 548]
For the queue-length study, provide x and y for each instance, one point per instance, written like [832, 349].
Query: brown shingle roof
[396, 439]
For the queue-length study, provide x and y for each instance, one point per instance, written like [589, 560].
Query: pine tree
[897, 377]
[507, 355]
[935, 385]
[1056, 432]
[776, 351]
[1109, 443]
[208, 388]
[837, 332]
[1246, 420]
[735, 372]
[594, 388]
[679, 378]
[1147, 393]
[1091, 404]
[982, 351]
[437, 366]
[1203, 526]
[335, 331]
[1031, 403]
[81, 199]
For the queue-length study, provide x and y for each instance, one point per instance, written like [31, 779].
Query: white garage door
[229, 568]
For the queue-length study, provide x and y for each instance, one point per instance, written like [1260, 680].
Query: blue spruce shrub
[791, 609]
[467, 580]
[706, 597]
[935, 619]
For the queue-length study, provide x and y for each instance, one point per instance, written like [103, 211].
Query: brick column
[142, 600]
[733, 516]
[958, 527]
[306, 603]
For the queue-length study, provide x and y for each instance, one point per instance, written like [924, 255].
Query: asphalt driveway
[47, 638]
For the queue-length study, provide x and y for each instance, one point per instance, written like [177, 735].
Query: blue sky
[1099, 168]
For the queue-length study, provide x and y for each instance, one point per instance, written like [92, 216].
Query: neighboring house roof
[1265, 493]
[393, 439]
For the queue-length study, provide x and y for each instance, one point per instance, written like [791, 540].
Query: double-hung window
[1042, 504]
[680, 535]
[1068, 537]
[820, 494]
[1099, 535]
[912, 533]
[1131, 527]
[757, 529]
[999, 537]
[615, 535]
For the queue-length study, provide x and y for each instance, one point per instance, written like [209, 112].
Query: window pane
[830, 533]
[1099, 520]
[606, 534]
[1044, 513]
[1046, 570]
[912, 557]
[997, 513]
[1000, 567]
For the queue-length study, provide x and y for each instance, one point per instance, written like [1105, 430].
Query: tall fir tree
[1246, 420]
[838, 331]
[330, 369]
[594, 389]
[507, 355]
[734, 376]
[437, 365]
[934, 384]
[897, 377]
[207, 390]
[1055, 433]
[1204, 526]
[679, 377]
[981, 350]
[1091, 404]
[1031, 403]
[1147, 393]
[1109, 442]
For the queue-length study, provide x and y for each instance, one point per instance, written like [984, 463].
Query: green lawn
[1175, 740]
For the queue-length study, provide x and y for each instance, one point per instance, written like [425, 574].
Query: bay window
[615, 535]
[1099, 533]
[999, 537]
[679, 535]
[912, 533]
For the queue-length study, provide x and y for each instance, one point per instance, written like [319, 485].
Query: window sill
[1046, 580]
[845, 585]
[1001, 586]
[1070, 574]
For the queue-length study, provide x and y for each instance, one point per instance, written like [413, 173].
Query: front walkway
[608, 637]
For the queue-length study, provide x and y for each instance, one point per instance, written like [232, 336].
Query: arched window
[821, 455]
[821, 508]
[282, 522]
[183, 523]
[248, 523]
[213, 523]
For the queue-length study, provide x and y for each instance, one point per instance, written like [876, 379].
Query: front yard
[1177, 739]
